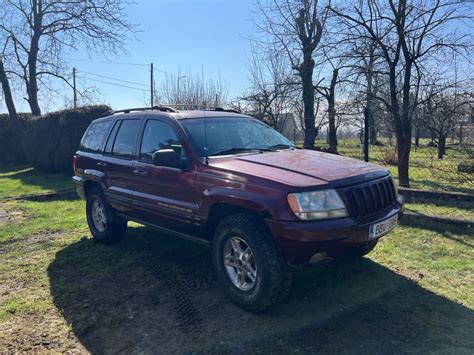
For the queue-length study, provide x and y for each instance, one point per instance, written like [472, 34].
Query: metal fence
[453, 172]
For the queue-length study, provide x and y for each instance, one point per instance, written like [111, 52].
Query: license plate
[378, 229]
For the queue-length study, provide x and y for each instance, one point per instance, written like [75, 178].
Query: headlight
[317, 205]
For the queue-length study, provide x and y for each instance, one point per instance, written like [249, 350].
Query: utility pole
[151, 84]
[74, 87]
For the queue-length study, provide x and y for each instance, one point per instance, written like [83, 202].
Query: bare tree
[443, 111]
[41, 30]
[295, 27]
[406, 33]
[270, 96]
[191, 91]
[364, 69]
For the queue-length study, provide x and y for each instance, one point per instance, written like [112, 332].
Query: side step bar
[168, 231]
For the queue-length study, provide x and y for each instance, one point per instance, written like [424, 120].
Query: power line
[111, 78]
[117, 63]
[122, 63]
[164, 72]
[115, 84]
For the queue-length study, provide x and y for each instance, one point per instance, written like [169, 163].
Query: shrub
[53, 138]
[389, 155]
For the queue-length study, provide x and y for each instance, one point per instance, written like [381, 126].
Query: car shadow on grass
[154, 293]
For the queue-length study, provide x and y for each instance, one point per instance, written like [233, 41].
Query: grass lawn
[27, 181]
[442, 211]
[60, 291]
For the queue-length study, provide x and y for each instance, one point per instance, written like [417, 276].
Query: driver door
[164, 196]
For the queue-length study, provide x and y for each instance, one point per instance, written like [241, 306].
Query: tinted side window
[158, 135]
[125, 139]
[111, 139]
[94, 136]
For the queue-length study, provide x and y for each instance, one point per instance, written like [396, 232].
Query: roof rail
[226, 110]
[158, 108]
[192, 107]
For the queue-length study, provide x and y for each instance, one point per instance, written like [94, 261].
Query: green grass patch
[27, 181]
[441, 211]
[414, 293]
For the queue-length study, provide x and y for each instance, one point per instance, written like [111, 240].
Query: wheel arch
[89, 185]
[220, 210]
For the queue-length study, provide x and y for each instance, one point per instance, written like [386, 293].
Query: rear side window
[158, 135]
[111, 140]
[94, 136]
[126, 138]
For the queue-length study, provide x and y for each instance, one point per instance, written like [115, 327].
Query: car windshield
[233, 135]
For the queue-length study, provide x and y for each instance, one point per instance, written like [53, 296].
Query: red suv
[226, 179]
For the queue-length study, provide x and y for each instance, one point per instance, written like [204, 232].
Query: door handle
[140, 172]
[101, 163]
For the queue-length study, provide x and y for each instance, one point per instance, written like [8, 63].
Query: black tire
[115, 226]
[273, 278]
[353, 253]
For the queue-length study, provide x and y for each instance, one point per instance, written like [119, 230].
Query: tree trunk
[404, 128]
[403, 151]
[7, 93]
[18, 131]
[32, 82]
[403, 132]
[332, 134]
[441, 145]
[306, 74]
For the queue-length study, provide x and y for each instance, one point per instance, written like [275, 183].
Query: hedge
[11, 152]
[50, 140]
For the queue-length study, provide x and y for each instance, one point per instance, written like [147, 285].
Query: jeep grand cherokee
[228, 180]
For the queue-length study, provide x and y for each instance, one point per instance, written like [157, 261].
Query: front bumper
[298, 241]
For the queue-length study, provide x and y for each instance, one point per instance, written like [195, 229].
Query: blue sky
[173, 34]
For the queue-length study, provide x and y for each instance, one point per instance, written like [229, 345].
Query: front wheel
[248, 264]
[106, 227]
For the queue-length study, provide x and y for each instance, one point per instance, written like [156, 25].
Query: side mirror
[167, 157]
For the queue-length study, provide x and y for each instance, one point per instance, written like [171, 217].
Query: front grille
[371, 198]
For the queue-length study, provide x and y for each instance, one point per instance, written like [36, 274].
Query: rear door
[166, 196]
[117, 162]
[91, 145]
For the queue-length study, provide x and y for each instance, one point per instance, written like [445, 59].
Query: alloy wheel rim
[240, 263]
[98, 216]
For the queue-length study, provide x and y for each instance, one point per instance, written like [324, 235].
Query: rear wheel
[353, 253]
[248, 264]
[106, 227]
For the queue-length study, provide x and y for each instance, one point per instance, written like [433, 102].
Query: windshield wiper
[239, 150]
[280, 146]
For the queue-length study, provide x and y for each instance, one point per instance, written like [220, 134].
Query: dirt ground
[9, 216]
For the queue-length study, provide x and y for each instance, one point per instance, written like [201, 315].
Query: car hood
[300, 167]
